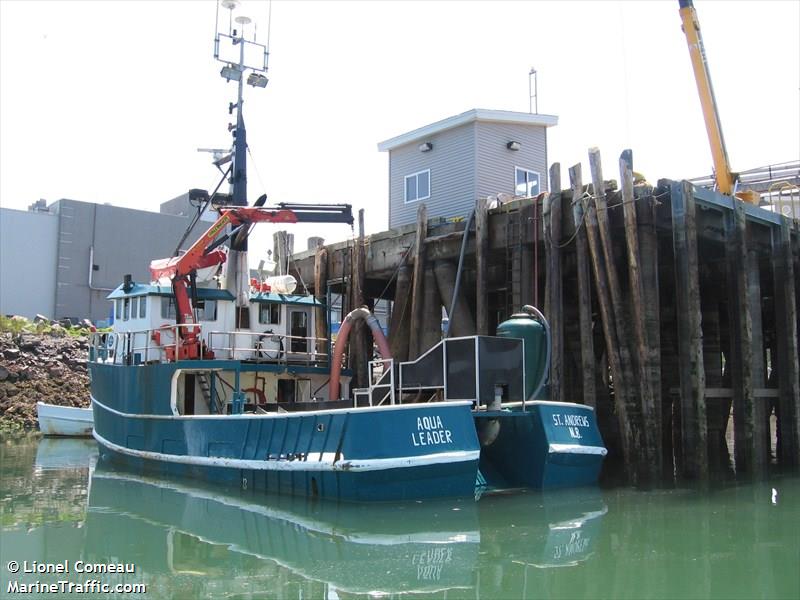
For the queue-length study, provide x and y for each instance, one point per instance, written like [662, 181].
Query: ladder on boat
[205, 389]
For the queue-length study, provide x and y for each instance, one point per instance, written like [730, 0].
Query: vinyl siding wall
[452, 165]
[496, 163]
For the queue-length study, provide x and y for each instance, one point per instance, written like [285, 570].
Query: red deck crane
[182, 270]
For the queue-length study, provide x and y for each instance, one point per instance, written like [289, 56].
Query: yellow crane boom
[722, 171]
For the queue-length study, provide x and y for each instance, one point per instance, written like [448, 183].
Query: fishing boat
[214, 374]
[64, 420]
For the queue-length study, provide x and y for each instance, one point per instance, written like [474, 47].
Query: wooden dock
[673, 310]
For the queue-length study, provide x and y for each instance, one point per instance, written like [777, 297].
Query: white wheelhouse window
[418, 186]
[526, 182]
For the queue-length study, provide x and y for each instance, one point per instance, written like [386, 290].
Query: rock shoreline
[46, 367]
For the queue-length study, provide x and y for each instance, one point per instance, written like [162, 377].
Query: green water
[185, 540]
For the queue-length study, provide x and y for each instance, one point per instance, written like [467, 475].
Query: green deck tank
[527, 327]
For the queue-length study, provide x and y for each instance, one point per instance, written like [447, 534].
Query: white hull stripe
[289, 415]
[576, 449]
[354, 465]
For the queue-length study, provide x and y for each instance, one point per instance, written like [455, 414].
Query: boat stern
[547, 445]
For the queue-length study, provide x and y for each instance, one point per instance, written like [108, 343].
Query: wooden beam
[650, 438]
[482, 265]
[416, 282]
[554, 306]
[584, 289]
[787, 360]
[690, 352]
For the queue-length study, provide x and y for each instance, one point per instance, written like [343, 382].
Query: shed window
[269, 313]
[418, 186]
[526, 182]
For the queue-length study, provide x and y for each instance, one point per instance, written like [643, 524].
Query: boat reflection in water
[65, 453]
[219, 541]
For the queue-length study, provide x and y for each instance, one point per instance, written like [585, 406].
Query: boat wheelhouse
[279, 339]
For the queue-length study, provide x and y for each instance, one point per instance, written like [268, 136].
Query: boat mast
[250, 60]
[253, 58]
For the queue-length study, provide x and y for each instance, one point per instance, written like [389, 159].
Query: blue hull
[550, 445]
[359, 454]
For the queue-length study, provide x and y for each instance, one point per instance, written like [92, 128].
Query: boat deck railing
[150, 345]
[381, 382]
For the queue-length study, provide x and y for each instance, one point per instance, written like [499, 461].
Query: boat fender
[488, 430]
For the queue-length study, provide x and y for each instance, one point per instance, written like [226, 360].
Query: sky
[108, 101]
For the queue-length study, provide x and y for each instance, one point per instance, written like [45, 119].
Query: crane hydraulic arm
[725, 178]
[181, 270]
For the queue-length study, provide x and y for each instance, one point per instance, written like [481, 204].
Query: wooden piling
[362, 339]
[431, 312]
[718, 409]
[554, 283]
[482, 265]
[652, 462]
[761, 441]
[400, 325]
[584, 289]
[416, 282]
[740, 355]
[462, 323]
[786, 360]
[620, 323]
[321, 294]
[694, 430]
[527, 256]
[649, 267]
[609, 329]
[627, 411]
[282, 248]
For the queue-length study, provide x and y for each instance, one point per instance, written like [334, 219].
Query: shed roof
[476, 114]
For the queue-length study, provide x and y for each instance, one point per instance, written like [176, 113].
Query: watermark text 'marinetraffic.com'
[92, 586]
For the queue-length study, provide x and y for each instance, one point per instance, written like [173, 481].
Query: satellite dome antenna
[237, 65]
